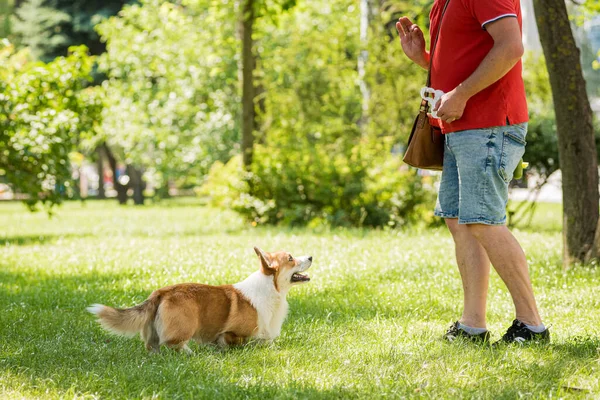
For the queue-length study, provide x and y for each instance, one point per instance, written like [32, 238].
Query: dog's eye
[291, 258]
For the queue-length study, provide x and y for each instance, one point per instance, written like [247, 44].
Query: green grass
[366, 326]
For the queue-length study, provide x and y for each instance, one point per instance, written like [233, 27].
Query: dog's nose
[310, 258]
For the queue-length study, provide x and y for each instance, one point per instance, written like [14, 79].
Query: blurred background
[288, 112]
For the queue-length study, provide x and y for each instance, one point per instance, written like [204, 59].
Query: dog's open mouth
[300, 278]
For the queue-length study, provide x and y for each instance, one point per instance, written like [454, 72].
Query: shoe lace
[515, 328]
[453, 329]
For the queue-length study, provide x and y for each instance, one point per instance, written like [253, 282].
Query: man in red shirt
[477, 64]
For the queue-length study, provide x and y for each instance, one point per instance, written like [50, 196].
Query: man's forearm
[499, 61]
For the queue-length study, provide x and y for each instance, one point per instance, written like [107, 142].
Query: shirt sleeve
[487, 11]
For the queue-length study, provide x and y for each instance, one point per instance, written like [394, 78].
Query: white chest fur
[270, 304]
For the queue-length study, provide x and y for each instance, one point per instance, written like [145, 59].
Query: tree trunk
[366, 13]
[576, 146]
[137, 183]
[100, 166]
[112, 161]
[248, 65]
[260, 124]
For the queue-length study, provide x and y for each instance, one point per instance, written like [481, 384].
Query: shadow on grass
[49, 342]
[43, 239]
[579, 346]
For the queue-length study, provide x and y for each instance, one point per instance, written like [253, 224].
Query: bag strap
[435, 43]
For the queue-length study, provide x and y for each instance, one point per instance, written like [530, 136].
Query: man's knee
[461, 232]
[455, 228]
[480, 230]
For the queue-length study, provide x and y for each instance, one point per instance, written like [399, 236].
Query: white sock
[470, 330]
[537, 329]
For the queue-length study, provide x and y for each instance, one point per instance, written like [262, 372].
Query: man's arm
[506, 52]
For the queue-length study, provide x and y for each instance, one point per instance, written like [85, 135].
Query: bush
[321, 191]
[45, 110]
[226, 186]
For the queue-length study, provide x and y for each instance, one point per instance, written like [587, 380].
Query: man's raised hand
[413, 42]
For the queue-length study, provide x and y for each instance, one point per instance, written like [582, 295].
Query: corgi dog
[224, 315]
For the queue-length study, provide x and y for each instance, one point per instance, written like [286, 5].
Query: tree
[173, 104]
[574, 122]
[248, 90]
[251, 10]
[591, 6]
[35, 26]
[315, 165]
[112, 163]
[366, 15]
[6, 10]
[50, 27]
[44, 111]
[100, 168]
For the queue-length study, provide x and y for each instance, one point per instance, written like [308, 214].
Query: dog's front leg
[230, 339]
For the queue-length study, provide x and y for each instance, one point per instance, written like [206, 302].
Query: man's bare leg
[509, 260]
[474, 266]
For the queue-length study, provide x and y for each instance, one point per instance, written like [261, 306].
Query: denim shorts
[478, 166]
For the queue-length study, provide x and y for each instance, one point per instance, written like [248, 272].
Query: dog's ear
[266, 263]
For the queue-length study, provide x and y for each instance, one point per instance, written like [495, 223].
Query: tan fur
[175, 314]
[128, 321]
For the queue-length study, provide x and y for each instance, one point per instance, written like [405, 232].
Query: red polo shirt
[462, 45]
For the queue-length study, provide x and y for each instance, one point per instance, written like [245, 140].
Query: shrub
[318, 191]
[45, 110]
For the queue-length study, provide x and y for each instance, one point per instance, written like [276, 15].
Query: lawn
[368, 325]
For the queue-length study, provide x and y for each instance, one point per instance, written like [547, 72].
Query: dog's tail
[127, 321]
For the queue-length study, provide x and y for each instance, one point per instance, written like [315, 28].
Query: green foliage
[542, 142]
[394, 80]
[227, 187]
[272, 8]
[313, 164]
[325, 192]
[6, 10]
[592, 6]
[36, 27]
[582, 32]
[50, 27]
[328, 185]
[172, 92]
[44, 111]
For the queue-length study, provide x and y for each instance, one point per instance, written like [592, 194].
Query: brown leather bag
[425, 144]
[425, 148]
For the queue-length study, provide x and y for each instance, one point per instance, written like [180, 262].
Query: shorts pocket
[513, 148]
[515, 137]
